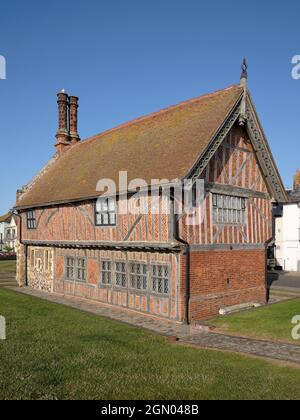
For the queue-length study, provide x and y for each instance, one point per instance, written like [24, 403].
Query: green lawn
[7, 266]
[271, 322]
[55, 352]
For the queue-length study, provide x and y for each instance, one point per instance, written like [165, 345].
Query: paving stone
[268, 349]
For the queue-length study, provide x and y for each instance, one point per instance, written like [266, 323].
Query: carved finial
[244, 69]
[244, 77]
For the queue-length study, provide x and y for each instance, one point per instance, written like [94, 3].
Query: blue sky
[129, 58]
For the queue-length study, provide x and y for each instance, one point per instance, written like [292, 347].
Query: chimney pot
[297, 181]
[73, 117]
[62, 135]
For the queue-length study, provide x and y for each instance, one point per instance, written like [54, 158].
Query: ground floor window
[138, 276]
[76, 269]
[81, 269]
[70, 268]
[106, 272]
[120, 274]
[160, 279]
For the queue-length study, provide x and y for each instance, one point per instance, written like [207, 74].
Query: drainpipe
[186, 246]
[16, 213]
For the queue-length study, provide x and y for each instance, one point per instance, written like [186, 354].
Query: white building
[287, 251]
[8, 233]
[4, 223]
[287, 231]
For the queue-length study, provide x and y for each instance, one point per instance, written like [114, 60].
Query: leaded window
[106, 212]
[106, 272]
[138, 276]
[160, 279]
[81, 269]
[120, 274]
[70, 268]
[31, 219]
[228, 209]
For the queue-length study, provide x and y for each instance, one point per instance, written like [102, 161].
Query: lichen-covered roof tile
[163, 145]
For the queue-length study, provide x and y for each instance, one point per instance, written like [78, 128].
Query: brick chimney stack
[63, 134]
[73, 118]
[297, 181]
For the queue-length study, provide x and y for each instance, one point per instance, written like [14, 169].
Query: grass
[7, 266]
[269, 322]
[55, 352]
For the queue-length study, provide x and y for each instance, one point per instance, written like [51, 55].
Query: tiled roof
[6, 218]
[295, 196]
[163, 145]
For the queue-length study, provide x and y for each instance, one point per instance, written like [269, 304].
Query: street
[290, 280]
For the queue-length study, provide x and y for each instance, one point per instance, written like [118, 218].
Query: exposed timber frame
[117, 246]
[264, 154]
[260, 145]
[215, 143]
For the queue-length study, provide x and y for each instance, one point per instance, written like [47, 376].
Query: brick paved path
[278, 351]
[186, 334]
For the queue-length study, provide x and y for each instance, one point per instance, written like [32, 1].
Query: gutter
[187, 295]
[186, 246]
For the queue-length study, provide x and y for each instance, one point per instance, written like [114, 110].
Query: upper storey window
[31, 219]
[106, 212]
[228, 209]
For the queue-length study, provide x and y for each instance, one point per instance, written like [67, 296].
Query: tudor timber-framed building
[155, 264]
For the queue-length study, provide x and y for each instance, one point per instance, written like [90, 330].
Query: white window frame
[106, 212]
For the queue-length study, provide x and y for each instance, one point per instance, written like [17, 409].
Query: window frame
[31, 219]
[134, 276]
[75, 267]
[106, 271]
[105, 212]
[229, 209]
[68, 266]
[81, 271]
[122, 273]
[163, 278]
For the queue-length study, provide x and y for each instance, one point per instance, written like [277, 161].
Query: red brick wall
[225, 278]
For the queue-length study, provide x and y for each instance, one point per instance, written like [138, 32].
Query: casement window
[160, 279]
[120, 274]
[228, 209]
[106, 212]
[81, 269]
[31, 219]
[70, 268]
[138, 276]
[76, 269]
[106, 272]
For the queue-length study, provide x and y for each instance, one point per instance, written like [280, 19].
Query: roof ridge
[153, 114]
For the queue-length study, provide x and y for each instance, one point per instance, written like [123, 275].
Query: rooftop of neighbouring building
[6, 218]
